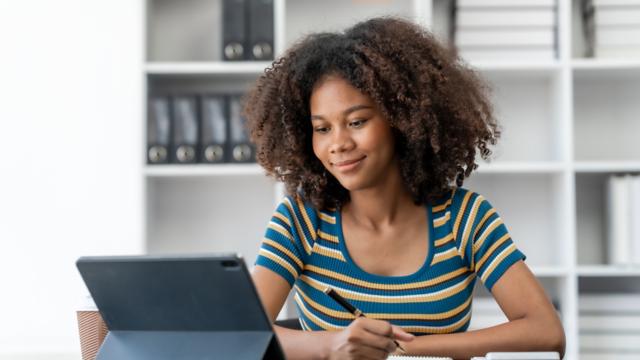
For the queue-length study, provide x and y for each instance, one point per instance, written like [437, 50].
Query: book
[618, 241]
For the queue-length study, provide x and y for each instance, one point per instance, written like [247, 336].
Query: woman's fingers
[400, 334]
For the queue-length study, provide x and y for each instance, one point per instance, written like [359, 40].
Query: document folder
[179, 307]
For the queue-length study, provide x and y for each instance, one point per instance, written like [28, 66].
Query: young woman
[373, 131]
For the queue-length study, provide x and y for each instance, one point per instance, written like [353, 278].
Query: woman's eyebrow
[345, 112]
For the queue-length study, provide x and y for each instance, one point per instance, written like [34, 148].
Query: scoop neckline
[426, 265]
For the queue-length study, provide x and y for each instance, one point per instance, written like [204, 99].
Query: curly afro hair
[438, 108]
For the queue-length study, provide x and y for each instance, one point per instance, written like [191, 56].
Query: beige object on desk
[91, 327]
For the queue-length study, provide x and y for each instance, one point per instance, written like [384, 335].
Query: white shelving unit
[567, 125]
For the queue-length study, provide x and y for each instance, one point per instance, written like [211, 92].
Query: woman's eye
[358, 123]
[320, 129]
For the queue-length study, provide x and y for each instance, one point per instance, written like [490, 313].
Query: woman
[369, 129]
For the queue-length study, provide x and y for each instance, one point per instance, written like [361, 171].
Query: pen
[350, 308]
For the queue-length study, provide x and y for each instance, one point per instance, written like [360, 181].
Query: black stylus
[350, 308]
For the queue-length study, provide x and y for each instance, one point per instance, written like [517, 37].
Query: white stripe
[485, 234]
[301, 225]
[441, 218]
[444, 253]
[484, 274]
[301, 304]
[334, 251]
[280, 257]
[388, 297]
[454, 325]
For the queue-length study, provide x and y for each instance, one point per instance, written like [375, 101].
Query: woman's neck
[380, 206]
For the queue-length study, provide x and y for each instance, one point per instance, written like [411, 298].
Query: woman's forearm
[298, 344]
[517, 335]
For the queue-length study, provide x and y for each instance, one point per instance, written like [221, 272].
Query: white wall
[71, 89]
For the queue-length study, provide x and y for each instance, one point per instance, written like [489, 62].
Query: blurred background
[120, 134]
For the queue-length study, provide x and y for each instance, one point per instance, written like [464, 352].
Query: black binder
[241, 150]
[213, 129]
[185, 129]
[170, 307]
[158, 130]
[234, 30]
[260, 44]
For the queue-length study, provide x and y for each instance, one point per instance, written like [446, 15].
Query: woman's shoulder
[304, 212]
[457, 199]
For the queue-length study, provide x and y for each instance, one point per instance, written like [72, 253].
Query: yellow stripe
[468, 224]
[439, 330]
[506, 252]
[319, 249]
[463, 207]
[438, 316]
[482, 221]
[321, 323]
[486, 233]
[280, 261]
[442, 220]
[440, 257]
[443, 240]
[350, 294]
[305, 216]
[490, 251]
[284, 250]
[323, 235]
[305, 244]
[283, 218]
[362, 283]
[326, 218]
[325, 310]
[439, 208]
[276, 227]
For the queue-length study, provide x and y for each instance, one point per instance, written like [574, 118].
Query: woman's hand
[366, 339]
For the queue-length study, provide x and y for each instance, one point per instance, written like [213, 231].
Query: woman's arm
[364, 338]
[533, 323]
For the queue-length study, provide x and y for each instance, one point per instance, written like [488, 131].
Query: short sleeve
[287, 242]
[482, 238]
[493, 249]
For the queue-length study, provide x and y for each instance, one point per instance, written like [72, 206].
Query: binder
[241, 150]
[158, 130]
[261, 31]
[234, 29]
[213, 126]
[185, 129]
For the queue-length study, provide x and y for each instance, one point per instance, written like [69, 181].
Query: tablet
[188, 307]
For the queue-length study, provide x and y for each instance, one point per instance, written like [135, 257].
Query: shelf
[515, 167]
[202, 170]
[608, 271]
[206, 68]
[607, 166]
[549, 271]
[605, 67]
[524, 68]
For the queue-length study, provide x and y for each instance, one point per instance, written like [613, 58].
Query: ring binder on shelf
[261, 25]
[241, 149]
[158, 130]
[185, 129]
[234, 29]
[213, 129]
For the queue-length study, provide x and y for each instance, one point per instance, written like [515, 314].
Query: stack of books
[623, 220]
[612, 28]
[609, 326]
[506, 30]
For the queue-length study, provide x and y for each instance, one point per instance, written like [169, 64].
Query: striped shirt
[467, 239]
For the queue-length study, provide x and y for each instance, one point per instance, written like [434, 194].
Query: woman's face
[351, 137]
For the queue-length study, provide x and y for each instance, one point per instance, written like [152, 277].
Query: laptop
[179, 307]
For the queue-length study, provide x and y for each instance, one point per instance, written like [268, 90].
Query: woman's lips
[347, 165]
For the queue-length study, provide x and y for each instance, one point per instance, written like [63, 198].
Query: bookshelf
[546, 179]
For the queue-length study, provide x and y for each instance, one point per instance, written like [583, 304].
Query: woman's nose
[341, 141]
